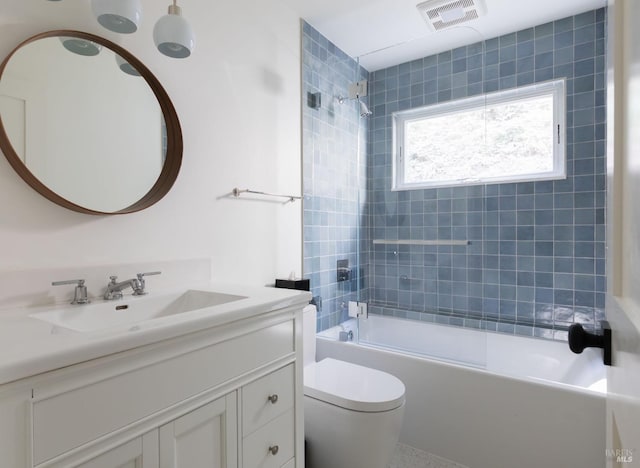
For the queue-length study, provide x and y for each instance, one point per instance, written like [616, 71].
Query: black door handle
[579, 339]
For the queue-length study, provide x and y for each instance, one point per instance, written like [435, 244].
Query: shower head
[364, 110]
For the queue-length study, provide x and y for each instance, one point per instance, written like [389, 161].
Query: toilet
[352, 414]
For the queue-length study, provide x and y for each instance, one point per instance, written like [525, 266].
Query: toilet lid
[352, 386]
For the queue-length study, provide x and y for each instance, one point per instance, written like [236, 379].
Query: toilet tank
[309, 315]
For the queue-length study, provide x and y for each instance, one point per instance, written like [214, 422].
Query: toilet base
[340, 438]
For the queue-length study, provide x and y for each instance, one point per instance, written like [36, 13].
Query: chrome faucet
[115, 288]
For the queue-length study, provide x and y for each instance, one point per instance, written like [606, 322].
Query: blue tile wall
[334, 171]
[536, 260]
[535, 263]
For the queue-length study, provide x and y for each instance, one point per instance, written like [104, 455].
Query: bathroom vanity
[219, 386]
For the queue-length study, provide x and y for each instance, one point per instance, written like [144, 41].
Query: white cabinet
[272, 445]
[141, 452]
[226, 397]
[204, 438]
[268, 420]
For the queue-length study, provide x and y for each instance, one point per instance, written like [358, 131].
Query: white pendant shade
[126, 66]
[173, 36]
[121, 16]
[80, 46]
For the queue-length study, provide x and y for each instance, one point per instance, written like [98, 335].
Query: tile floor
[409, 457]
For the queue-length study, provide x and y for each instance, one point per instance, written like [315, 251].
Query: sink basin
[132, 310]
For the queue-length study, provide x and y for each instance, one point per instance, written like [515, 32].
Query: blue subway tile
[585, 283]
[543, 30]
[444, 57]
[544, 60]
[492, 57]
[544, 74]
[585, 34]
[563, 297]
[584, 51]
[543, 217]
[507, 53]
[564, 24]
[544, 280]
[475, 61]
[459, 65]
[563, 39]
[507, 40]
[525, 202]
[524, 65]
[584, 265]
[584, 298]
[564, 56]
[507, 277]
[544, 249]
[444, 95]
[584, 84]
[526, 247]
[584, 67]
[544, 295]
[525, 233]
[563, 281]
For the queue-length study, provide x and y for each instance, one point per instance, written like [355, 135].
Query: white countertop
[29, 346]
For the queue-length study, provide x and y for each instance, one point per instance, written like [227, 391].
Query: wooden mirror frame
[173, 159]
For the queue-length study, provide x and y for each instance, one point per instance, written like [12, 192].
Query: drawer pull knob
[273, 398]
[273, 450]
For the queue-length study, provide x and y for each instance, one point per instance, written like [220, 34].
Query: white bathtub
[487, 400]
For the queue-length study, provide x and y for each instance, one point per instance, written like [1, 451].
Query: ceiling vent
[442, 14]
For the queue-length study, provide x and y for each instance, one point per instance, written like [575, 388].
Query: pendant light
[80, 46]
[126, 67]
[172, 34]
[121, 16]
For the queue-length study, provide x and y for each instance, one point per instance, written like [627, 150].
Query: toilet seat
[353, 387]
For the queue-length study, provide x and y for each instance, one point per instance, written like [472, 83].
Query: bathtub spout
[346, 335]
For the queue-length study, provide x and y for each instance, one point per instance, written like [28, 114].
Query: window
[507, 136]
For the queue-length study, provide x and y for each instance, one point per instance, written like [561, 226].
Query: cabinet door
[204, 438]
[141, 452]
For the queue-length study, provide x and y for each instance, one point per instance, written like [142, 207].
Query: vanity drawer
[68, 420]
[267, 398]
[271, 446]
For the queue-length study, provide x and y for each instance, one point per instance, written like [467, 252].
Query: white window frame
[556, 88]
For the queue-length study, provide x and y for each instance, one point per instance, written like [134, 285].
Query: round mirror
[87, 125]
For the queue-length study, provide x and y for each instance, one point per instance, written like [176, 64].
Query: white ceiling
[388, 32]
[381, 33]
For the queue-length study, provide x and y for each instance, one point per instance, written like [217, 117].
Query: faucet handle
[80, 295]
[149, 273]
[139, 291]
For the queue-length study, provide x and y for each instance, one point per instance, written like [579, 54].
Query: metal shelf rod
[236, 192]
[420, 242]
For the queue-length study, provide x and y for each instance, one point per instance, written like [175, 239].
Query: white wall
[238, 99]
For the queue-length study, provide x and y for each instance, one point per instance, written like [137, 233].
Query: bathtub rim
[471, 367]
